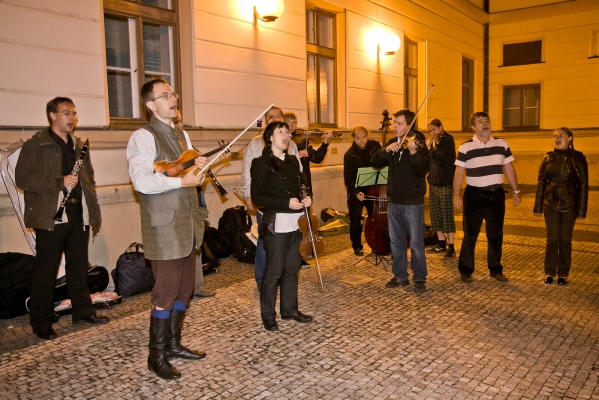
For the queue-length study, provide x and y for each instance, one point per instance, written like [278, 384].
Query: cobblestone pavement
[521, 339]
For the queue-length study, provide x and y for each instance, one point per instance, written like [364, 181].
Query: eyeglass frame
[68, 113]
[167, 96]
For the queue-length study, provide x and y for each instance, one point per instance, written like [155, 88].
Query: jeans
[558, 253]
[479, 205]
[283, 261]
[355, 207]
[407, 222]
[260, 260]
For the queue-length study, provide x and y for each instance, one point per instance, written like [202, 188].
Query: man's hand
[360, 196]
[201, 162]
[303, 153]
[295, 204]
[516, 199]
[392, 148]
[70, 181]
[457, 201]
[412, 146]
[327, 136]
[249, 204]
[307, 201]
[537, 214]
[190, 179]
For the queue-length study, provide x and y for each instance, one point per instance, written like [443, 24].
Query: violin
[411, 137]
[185, 162]
[303, 135]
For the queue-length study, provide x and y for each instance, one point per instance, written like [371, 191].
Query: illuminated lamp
[389, 44]
[269, 10]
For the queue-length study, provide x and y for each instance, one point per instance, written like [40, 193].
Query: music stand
[369, 176]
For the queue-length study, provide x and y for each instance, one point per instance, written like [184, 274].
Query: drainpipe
[486, 69]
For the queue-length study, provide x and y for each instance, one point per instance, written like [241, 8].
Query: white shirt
[141, 153]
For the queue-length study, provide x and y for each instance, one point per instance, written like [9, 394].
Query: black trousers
[283, 261]
[72, 238]
[558, 252]
[479, 205]
[355, 208]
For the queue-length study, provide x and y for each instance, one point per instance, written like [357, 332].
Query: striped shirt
[484, 161]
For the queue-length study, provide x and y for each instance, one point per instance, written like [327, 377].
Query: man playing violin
[172, 224]
[357, 156]
[408, 165]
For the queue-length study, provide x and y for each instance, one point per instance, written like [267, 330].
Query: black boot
[173, 347]
[157, 361]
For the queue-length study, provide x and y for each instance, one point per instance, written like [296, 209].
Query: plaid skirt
[441, 208]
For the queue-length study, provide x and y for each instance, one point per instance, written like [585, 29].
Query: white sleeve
[253, 150]
[141, 152]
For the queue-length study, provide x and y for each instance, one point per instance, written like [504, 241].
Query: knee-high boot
[174, 349]
[157, 361]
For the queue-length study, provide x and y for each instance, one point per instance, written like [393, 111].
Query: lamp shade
[389, 44]
[269, 10]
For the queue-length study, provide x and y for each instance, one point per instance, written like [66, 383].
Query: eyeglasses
[560, 136]
[69, 113]
[167, 96]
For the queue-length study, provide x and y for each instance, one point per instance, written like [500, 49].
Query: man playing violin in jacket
[408, 165]
[172, 224]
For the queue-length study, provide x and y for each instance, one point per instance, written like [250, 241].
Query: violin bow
[234, 140]
[307, 215]
[416, 116]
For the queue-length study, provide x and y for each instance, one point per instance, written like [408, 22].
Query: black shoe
[499, 277]
[46, 334]
[157, 361]
[394, 282]
[562, 281]
[173, 348]
[437, 249]
[305, 264]
[94, 319]
[358, 252]
[450, 252]
[419, 287]
[299, 317]
[270, 325]
[466, 278]
[548, 280]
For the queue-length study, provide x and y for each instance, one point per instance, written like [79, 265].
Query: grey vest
[170, 221]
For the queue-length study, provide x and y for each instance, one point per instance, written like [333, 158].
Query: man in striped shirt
[484, 158]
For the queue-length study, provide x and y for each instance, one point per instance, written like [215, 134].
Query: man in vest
[172, 224]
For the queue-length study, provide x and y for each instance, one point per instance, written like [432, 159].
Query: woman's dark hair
[267, 137]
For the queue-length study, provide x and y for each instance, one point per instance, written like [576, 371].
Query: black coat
[406, 179]
[563, 183]
[355, 158]
[442, 166]
[315, 156]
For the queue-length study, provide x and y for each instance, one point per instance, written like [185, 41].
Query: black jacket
[442, 168]
[406, 179]
[314, 155]
[355, 158]
[563, 183]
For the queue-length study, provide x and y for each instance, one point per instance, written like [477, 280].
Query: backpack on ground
[15, 283]
[215, 244]
[233, 225]
[133, 273]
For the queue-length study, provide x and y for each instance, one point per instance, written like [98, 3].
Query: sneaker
[562, 281]
[419, 287]
[437, 249]
[499, 277]
[466, 278]
[450, 252]
[394, 282]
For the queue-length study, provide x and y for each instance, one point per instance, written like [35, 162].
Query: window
[139, 38]
[467, 92]
[521, 107]
[321, 91]
[522, 53]
[411, 75]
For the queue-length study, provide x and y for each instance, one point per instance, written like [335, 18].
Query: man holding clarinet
[46, 173]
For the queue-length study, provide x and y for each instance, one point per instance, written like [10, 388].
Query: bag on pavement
[133, 273]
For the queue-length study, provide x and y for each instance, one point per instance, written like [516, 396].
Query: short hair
[289, 116]
[147, 91]
[52, 106]
[436, 122]
[278, 108]
[408, 114]
[478, 114]
[356, 129]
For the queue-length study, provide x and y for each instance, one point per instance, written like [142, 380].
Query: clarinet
[74, 172]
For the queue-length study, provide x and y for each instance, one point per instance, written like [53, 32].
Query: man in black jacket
[406, 187]
[440, 178]
[357, 156]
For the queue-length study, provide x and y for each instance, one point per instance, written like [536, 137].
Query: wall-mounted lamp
[268, 10]
[389, 44]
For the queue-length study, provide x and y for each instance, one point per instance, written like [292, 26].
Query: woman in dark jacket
[276, 182]
[562, 196]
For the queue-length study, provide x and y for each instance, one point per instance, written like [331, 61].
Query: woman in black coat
[275, 189]
[562, 196]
